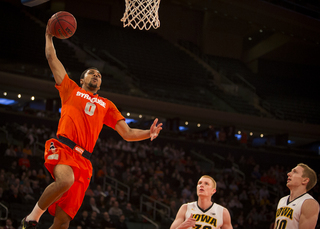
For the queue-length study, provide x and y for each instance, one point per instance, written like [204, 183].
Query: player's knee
[65, 225]
[65, 184]
[64, 177]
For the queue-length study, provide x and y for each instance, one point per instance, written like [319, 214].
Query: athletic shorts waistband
[86, 154]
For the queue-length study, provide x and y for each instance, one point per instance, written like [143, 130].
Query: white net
[142, 14]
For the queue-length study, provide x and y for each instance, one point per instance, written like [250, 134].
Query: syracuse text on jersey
[92, 100]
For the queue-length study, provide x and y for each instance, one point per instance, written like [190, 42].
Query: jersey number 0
[90, 108]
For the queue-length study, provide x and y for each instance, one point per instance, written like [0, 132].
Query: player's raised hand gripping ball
[62, 25]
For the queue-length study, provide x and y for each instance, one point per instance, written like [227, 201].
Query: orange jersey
[83, 114]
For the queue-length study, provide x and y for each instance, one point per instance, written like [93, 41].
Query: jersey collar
[288, 202]
[89, 92]
[205, 209]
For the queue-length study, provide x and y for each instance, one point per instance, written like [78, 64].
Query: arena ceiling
[290, 36]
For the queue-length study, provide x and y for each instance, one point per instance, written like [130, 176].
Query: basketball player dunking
[67, 158]
[203, 213]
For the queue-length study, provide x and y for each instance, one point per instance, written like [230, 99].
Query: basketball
[62, 25]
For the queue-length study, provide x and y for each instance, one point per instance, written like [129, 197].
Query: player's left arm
[55, 64]
[226, 220]
[309, 214]
[132, 134]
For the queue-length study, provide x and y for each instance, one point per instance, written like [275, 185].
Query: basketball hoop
[142, 14]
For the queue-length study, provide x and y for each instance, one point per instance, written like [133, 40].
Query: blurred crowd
[166, 172]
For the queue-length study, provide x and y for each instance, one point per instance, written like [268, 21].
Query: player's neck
[92, 90]
[296, 192]
[204, 202]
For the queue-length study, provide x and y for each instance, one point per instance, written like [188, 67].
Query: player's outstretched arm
[56, 66]
[226, 220]
[180, 222]
[309, 214]
[130, 134]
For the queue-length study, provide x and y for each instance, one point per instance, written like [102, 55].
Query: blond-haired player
[299, 209]
[203, 213]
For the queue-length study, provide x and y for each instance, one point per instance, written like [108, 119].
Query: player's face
[295, 178]
[205, 187]
[92, 79]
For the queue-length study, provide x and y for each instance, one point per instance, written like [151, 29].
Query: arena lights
[18, 95]
[133, 118]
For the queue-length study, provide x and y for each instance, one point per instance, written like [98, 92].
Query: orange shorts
[58, 153]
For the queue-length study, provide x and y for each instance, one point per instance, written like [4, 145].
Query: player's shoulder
[216, 204]
[183, 208]
[310, 206]
[308, 196]
[67, 84]
[219, 206]
[307, 199]
[106, 100]
[194, 203]
[189, 205]
[310, 200]
[68, 79]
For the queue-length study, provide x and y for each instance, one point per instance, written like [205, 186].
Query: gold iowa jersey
[288, 213]
[206, 219]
